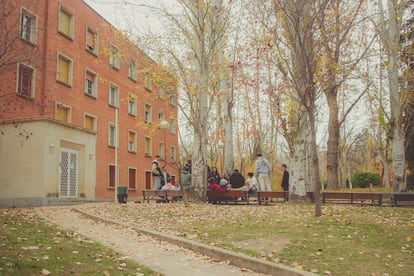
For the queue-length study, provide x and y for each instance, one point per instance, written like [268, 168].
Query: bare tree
[390, 19]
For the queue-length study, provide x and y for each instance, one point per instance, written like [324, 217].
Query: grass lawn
[31, 246]
[346, 240]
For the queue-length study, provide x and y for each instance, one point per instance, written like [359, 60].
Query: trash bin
[122, 195]
[121, 190]
[122, 198]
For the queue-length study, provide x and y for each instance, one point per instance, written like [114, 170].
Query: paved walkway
[161, 256]
[163, 253]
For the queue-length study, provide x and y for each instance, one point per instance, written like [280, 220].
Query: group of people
[236, 180]
[258, 181]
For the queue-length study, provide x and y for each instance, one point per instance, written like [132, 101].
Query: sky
[123, 16]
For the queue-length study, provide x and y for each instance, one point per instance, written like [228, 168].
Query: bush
[365, 179]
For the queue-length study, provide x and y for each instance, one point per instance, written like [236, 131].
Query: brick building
[77, 101]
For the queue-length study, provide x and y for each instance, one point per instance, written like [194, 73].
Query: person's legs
[268, 187]
[262, 185]
[157, 183]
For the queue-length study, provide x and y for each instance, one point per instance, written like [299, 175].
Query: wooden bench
[157, 195]
[230, 196]
[367, 198]
[265, 196]
[402, 199]
[352, 198]
[161, 196]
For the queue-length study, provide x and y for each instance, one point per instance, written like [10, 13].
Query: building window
[161, 150]
[161, 117]
[172, 98]
[112, 141]
[161, 92]
[132, 141]
[111, 176]
[147, 113]
[132, 104]
[91, 83]
[132, 178]
[89, 122]
[148, 82]
[148, 146]
[114, 57]
[113, 95]
[65, 22]
[25, 81]
[91, 41]
[173, 152]
[28, 26]
[132, 69]
[173, 126]
[63, 112]
[64, 69]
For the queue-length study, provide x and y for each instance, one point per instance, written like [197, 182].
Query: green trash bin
[122, 195]
[121, 190]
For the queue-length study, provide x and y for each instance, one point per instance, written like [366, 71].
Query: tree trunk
[333, 141]
[298, 155]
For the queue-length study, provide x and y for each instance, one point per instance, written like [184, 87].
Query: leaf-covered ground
[346, 240]
[30, 246]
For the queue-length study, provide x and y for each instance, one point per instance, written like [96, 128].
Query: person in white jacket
[263, 172]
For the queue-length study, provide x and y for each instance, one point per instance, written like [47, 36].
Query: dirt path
[158, 255]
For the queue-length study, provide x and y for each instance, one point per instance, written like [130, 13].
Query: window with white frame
[114, 57]
[161, 117]
[132, 69]
[148, 82]
[173, 152]
[112, 135]
[91, 41]
[65, 26]
[132, 178]
[173, 126]
[28, 26]
[91, 83]
[64, 69]
[161, 92]
[113, 95]
[25, 81]
[63, 113]
[89, 122]
[161, 150]
[172, 98]
[147, 146]
[147, 113]
[111, 176]
[132, 104]
[132, 141]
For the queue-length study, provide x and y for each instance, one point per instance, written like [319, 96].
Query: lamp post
[164, 126]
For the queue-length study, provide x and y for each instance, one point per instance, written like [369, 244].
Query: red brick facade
[67, 51]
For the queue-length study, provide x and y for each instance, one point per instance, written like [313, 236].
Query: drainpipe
[44, 63]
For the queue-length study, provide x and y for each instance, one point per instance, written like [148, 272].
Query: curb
[233, 258]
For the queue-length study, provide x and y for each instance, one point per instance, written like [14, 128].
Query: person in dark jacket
[215, 175]
[285, 178]
[237, 180]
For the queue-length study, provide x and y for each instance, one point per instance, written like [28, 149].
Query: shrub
[365, 179]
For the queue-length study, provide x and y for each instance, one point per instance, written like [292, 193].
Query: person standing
[156, 173]
[263, 171]
[285, 178]
[186, 178]
[165, 177]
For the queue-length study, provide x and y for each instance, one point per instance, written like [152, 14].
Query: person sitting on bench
[237, 181]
